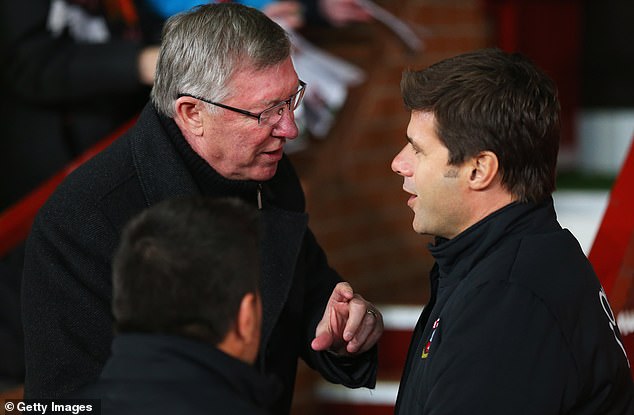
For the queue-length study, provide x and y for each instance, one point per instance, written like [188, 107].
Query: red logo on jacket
[431, 338]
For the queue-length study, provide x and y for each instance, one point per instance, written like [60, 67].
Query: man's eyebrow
[414, 145]
[411, 141]
[273, 102]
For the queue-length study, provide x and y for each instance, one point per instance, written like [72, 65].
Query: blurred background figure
[292, 13]
[73, 72]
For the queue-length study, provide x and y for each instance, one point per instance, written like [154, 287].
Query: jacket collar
[455, 257]
[160, 169]
[173, 358]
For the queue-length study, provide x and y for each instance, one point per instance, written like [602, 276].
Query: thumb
[322, 342]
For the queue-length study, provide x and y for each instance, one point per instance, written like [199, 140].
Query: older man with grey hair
[221, 111]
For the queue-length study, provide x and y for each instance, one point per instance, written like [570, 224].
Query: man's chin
[265, 173]
[419, 228]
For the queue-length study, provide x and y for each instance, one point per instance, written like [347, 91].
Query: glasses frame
[258, 116]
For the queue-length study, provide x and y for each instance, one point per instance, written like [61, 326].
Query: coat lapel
[283, 236]
[161, 171]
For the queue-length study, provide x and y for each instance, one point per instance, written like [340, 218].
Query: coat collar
[457, 256]
[159, 357]
[160, 169]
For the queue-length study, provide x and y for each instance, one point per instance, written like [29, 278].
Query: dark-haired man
[188, 313]
[517, 322]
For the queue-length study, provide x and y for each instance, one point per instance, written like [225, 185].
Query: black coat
[157, 374]
[67, 283]
[517, 324]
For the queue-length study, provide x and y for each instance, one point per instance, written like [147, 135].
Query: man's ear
[189, 115]
[249, 324]
[484, 170]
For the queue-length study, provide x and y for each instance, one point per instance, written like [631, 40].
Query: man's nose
[286, 126]
[400, 165]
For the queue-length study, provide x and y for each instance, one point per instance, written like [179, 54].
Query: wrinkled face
[436, 188]
[234, 144]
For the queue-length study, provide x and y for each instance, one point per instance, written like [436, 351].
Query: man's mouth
[412, 197]
[411, 200]
[275, 153]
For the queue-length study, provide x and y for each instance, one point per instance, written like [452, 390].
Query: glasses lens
[297, 98]
[274, 114]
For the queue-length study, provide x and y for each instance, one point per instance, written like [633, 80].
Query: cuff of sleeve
[351, 371]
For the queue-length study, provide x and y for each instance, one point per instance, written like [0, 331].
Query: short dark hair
[184, 265]
[496, 101]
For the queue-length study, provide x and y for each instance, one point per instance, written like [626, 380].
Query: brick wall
[356, 204]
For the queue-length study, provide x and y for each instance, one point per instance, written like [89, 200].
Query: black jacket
[67, 285]
[517, 324]
[157, 374]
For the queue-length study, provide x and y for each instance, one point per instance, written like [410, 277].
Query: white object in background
[402, 30]
[328, 79]
[581, 212]
[604, 139]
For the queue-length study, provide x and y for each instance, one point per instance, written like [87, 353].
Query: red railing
[612, 254]
[617, 227]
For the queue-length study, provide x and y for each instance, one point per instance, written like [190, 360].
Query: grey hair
[202, 48]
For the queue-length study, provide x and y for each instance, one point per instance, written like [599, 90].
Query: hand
[350, 324]
[147, 64]
[288, 14]
[342, 12]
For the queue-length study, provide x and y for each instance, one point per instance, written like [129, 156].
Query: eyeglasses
[269, 116]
